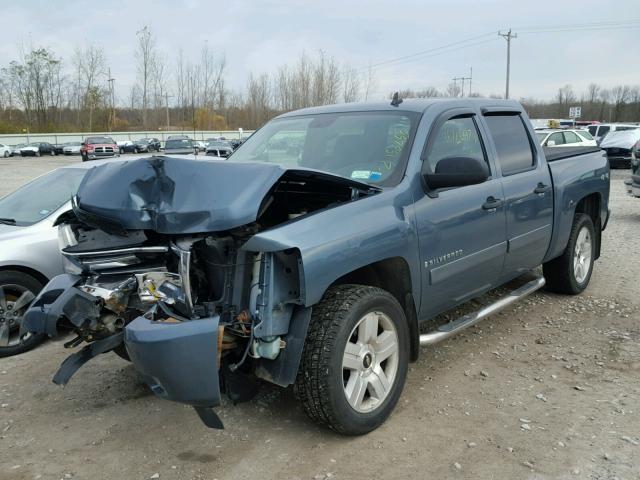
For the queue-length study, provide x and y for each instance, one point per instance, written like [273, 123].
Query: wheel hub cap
[370, 362]
[582, 255]
[14, 300]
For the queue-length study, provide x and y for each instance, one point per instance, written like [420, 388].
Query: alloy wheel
[582, 254]
[370, 362]
[14, 301]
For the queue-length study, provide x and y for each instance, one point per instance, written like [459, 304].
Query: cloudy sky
[550, 51]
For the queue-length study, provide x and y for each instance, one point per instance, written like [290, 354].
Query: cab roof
[418, 105]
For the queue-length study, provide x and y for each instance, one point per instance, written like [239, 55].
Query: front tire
[355, 359]
[17, 290]
[570, 273]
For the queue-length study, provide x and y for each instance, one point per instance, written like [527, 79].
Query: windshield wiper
[8, 221]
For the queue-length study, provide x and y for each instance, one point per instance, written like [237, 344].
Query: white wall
[57, 138]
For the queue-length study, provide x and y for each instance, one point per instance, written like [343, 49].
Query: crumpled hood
[621, 139]
[183, 196]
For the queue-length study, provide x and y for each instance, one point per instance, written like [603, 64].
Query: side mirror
[457, 172]
[551, 143]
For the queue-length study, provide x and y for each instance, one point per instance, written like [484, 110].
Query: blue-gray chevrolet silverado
[312, 256]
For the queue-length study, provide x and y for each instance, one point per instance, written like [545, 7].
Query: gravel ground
[548, 389]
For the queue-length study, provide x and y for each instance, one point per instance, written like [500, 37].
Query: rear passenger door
[528, 191]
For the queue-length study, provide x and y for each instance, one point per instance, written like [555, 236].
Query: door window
[592, 129]
[586, 135]
[457, 137]
[556, 138]
[570, 137]
[512, 143]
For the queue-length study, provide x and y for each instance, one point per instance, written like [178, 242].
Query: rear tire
[355, 359]
[570, 272]
[14, 284]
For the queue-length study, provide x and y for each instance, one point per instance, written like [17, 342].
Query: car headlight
[66, 238]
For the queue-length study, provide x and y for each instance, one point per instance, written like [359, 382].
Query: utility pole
[462, 79]
[167, 96]
[455, 84]
[470, 79]
[112, 81]
[508, 36]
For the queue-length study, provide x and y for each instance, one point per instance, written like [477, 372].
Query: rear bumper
[619, 162]
[179, 361]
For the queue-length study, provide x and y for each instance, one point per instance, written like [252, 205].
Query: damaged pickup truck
[312, 256]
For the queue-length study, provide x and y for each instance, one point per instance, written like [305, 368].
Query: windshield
[36, 200]
[371, 147]
[184, 143]
[541, 136]
[97, 140]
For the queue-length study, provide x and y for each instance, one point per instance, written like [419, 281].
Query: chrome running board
[456, 326]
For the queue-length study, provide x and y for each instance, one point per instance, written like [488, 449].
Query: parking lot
[549, 388]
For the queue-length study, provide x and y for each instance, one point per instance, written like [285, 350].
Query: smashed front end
[156, 271]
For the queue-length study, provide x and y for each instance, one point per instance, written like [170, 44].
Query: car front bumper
[178, 360]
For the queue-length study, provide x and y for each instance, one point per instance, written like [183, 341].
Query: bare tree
[90, 65]
[146, 60]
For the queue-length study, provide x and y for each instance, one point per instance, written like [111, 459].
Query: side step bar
[456, 326]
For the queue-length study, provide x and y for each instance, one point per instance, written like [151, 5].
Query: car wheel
[355, 359]
[570, 272]
[17, 290]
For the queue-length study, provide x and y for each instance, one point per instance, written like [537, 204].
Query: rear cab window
[512, 142]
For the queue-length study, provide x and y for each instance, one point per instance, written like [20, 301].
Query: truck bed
[559, 153]
[581, 172]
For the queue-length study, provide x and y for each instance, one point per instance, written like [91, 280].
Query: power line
[569, 27]
[412, 55]
[435, 54]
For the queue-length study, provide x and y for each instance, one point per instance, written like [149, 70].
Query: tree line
[41, 92]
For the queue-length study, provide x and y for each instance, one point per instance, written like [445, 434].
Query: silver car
[29, 255]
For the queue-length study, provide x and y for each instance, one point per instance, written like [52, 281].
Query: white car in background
[5, 150]
[565, 138]
[72, 148]
[598, 131]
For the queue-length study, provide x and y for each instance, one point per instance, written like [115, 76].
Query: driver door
[461, 230]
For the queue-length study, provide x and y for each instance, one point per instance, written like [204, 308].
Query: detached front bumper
[178, 360]
[58, 299]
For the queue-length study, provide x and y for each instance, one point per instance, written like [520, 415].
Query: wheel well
[29, 271]
[590, 205]
[394, 276]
